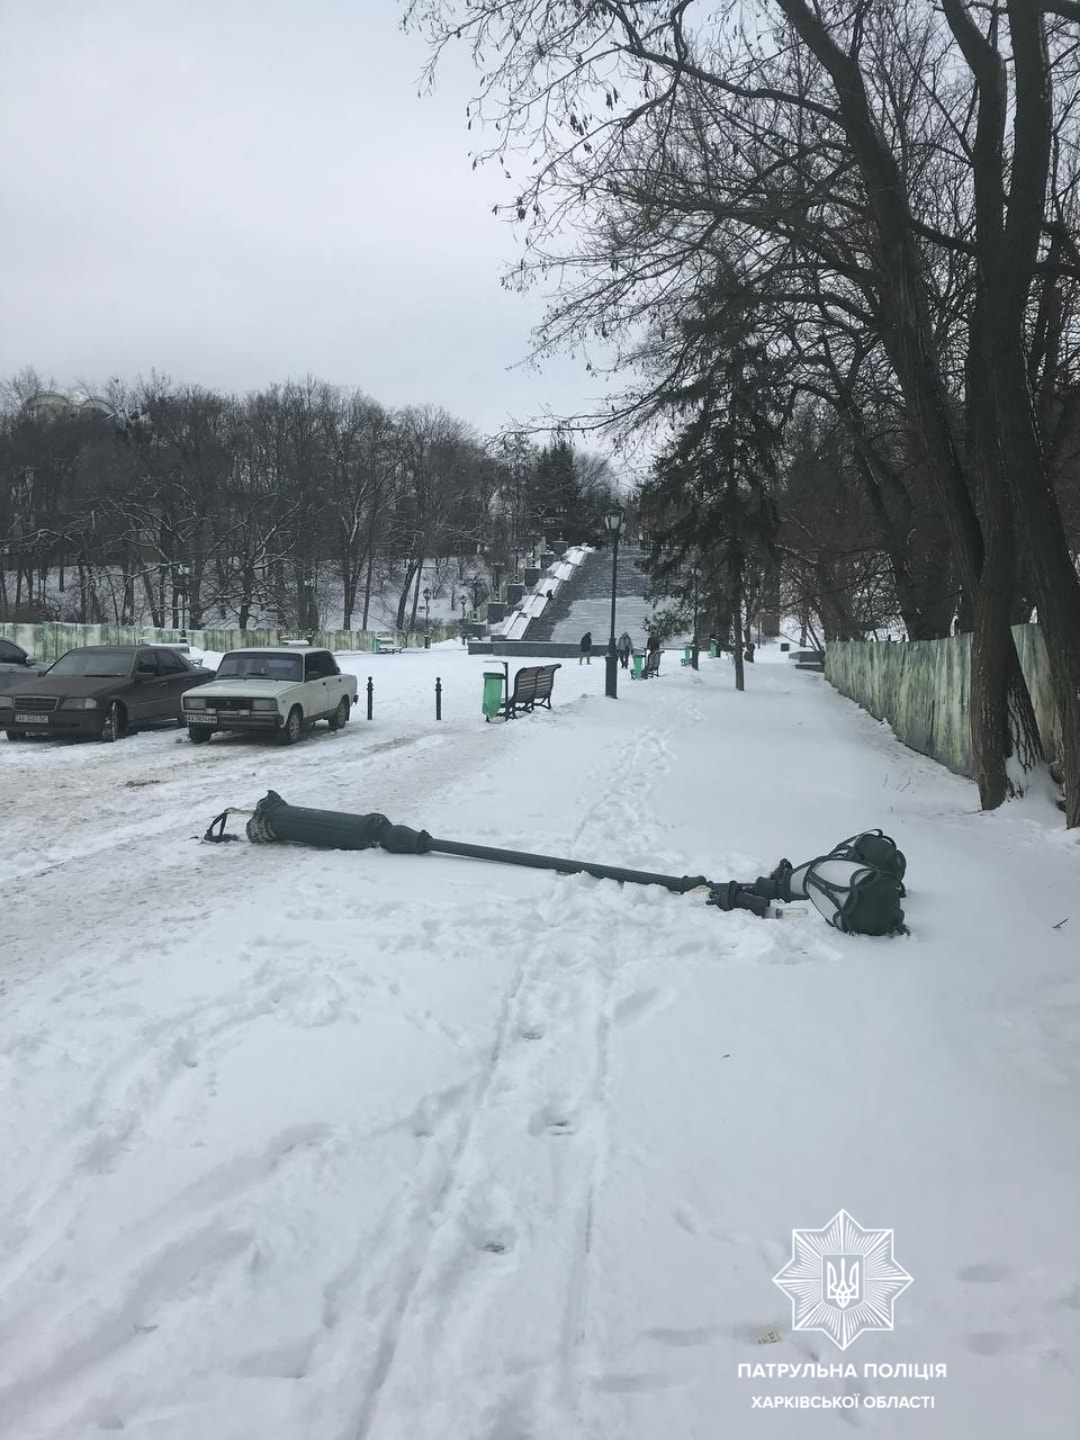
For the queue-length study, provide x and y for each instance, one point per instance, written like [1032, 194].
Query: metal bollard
[370, 696]
[438, 698]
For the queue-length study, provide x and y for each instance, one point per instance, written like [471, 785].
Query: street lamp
[613, 521]
[857, 887]
[427, 618]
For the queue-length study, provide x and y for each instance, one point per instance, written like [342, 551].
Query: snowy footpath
[299, 1145]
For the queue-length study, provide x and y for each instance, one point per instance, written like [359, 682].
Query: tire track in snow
[353, 776]
[121, 1104]
[175, 789]
[440, 1304]
[409, 1235]
[619, 812]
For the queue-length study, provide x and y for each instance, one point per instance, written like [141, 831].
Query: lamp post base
[611, 680]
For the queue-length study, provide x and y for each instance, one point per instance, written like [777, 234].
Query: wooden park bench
[652, 664]
[533, 685]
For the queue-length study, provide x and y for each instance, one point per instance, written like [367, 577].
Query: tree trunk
[737, 626]
[194, 598]
[1048, 566]
[156, 616]
[416, 588]
[990, 648]
[370, 550]
[367, 590]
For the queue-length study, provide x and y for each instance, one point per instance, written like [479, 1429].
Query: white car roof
[277, 650]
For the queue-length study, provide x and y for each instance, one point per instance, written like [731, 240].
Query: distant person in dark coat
[586, 648]
[623, 648]
[653, 643]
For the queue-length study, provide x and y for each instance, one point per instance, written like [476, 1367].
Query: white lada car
[278, 689]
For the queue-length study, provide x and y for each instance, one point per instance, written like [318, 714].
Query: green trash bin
[687, 654]
[712, 649]
[639, 664]
[493, 692]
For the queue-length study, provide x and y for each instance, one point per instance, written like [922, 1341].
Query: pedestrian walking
[653, 643]
[586, 648]
[623, 647]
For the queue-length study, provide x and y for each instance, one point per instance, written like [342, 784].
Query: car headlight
[190, 703]
[81, 702]
[264, 704]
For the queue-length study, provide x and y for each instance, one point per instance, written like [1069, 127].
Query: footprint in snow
[631, 1384]
[991, 1342]
[984, 1273]
[698, 1335]
[489, 1220]
[287, 1362]
[642, 1005]
[433, 1109]
[559, 1115]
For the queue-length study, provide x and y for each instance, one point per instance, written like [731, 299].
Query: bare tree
[855, 165]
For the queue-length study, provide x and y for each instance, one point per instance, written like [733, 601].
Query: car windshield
[243, 665]
[93, 664]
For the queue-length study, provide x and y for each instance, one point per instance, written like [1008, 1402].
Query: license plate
[32, 719]
[194, 719]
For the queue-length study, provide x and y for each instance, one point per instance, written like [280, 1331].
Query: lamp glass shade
[613, 520]
[856, 898]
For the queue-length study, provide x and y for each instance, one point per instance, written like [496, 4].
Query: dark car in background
[101, 691]
[16, 664]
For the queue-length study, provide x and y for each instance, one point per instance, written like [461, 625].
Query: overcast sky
[232, 192]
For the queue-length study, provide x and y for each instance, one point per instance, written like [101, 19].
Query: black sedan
[103, 691]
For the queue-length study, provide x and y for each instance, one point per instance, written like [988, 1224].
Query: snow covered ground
[323, 1146]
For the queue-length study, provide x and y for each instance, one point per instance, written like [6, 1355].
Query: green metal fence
[922, 688]
[50, 640]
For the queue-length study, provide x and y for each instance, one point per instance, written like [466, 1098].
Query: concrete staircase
[584, 603]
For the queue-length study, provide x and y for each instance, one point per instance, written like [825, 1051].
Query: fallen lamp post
[856, 887]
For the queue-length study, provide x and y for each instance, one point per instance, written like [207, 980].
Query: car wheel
[197, 735]
[341, 715]
[16, 734]
[294, 726]
[112, 726]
